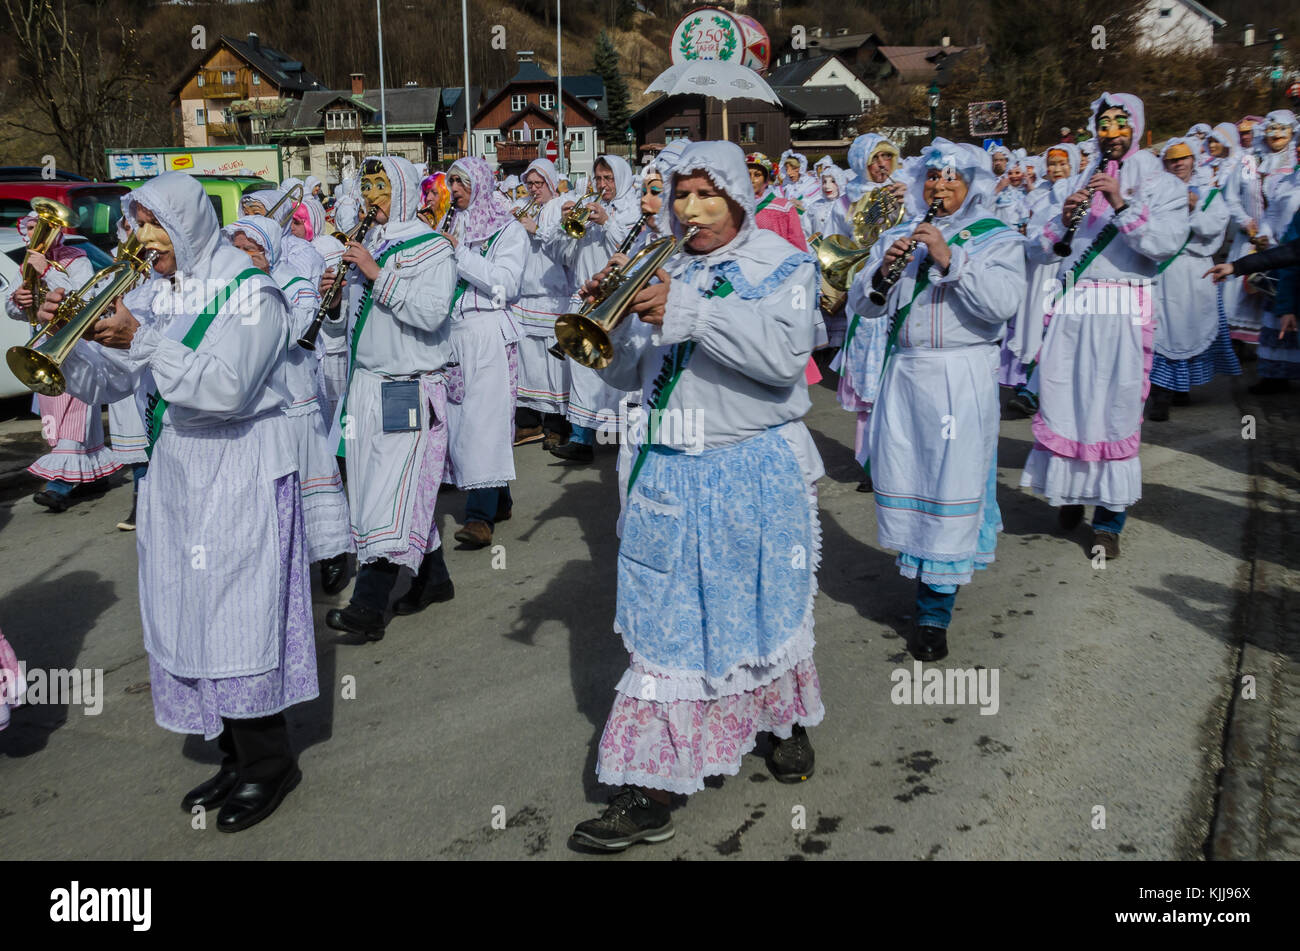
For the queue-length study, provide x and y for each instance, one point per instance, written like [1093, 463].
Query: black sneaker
[51, 500]
[930, 643]
[355, 619]
[1024, 403]
[631, 817]
[420, 596]
[791, 761]
[574, 451]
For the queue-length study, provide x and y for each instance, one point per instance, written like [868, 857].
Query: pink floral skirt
[674, 745]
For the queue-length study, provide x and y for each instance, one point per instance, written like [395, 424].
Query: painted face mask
[1115, 132]
[694, 210]
[153, 236]
[881, 165]
[944, 181]
[1277, 136]
[251, 206]
[376, 189]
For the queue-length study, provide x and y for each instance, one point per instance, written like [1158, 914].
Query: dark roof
[690, 101]
[586, 86]
[796, 73]
[849, 41]
[496, 95]
[282, 69]
[454, 109]
[821, 100]
[406, 105]
[530, 72]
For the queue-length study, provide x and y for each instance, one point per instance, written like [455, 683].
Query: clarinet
[885, 279]
[308, 340]
[554, 349]
[1062, 247]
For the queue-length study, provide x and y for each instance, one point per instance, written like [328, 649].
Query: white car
[17, 332]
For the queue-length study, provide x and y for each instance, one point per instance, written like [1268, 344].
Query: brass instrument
[610, 281]
[575, 219]
[874, 214]
[270, 212]
[585, 336]
[38, 364]
[51, 218]
[308, 340]
[887, 278]
[838, 257]
[529, 210]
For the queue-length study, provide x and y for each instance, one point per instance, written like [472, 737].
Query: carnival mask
[1179, 161]
[1277, 135]
[881, 165]
[792, 169]
[1115, 132]
[830, 187]
[944, 181]
[251, 206]
[152, 236]
[376, 188]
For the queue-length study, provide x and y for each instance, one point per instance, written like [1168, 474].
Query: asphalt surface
[1115, 685]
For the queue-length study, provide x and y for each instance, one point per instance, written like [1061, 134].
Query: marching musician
[1192, 342]
[491, 251]
[593, 404]
[772, 212]
[717, 564]
[1095, 358]
[74, 430]
[543, 296]
[933, 430]
[873, 160]
[325, 507]
[225, 594]
[393, 417]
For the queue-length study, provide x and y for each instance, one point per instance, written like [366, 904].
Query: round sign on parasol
[723, 80]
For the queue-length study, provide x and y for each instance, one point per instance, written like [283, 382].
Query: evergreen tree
[605, 64]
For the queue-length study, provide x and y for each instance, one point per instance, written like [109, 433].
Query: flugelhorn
[38, 364]
[575, 219]
[585, 336]
[610, 280]
[308, 340]
[887, 277]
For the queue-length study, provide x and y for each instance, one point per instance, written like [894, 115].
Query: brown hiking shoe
[475, 535]
[1108, 541]
[528, 434]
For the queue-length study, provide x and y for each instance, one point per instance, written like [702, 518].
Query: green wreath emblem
[687, 46]
[728, 47]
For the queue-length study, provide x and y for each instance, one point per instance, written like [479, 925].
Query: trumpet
[38, 364]
[527, 211]
[575, 219]
[1062, 247]
[887, 278]
[585, 336]
[51, 218]
[308, 340]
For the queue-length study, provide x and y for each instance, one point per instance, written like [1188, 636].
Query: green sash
[368, 302]
[1164, 264]
[155, 405]
[767, 200]
[675, 361]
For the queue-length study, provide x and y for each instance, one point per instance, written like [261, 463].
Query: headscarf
[185, 212]
[1201, 130]
[841, 178]
[310, 186]
[755, 255]
[668, 156]
[508, 186]
[268, 197]
[1073, 153]
[405, 183]
[861, 152]
[1001, 150]
[545, 168]
[262, 231]
[625, 196]
[1138, 165]
[1273, 162]
[1185, 140]
[976, 169]
[798, 157]
[821, 163]
[59, 252]
[1227, 134]
[485, 216]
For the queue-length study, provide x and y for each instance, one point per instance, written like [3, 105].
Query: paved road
[1115, 685]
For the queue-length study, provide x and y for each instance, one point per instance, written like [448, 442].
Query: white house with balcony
[1172, 26]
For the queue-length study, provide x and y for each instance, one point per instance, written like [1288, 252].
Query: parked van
[96, 205]
[224, 191]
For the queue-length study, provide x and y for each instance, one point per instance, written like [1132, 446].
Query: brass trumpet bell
[527, 211]
[575, 220]
[838, 257]
[38, 364]
[585, 336]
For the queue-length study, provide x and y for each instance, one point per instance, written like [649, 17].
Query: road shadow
[581, 596]
[1210, 606]
[46, 622]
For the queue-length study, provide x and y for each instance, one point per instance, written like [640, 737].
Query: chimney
[1248, 37]
[524, 56]
[252, 40]
[358, 83]
[946, 41]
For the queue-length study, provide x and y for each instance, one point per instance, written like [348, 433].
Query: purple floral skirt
[196, 705]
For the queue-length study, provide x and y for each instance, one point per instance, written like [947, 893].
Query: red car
[97, 205]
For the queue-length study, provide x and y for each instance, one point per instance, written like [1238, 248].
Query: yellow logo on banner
[179, 162]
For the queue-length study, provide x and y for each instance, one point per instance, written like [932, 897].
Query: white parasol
[723, 80]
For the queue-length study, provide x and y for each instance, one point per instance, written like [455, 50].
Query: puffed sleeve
[96, 375]
[230, 367]
[989, 279]
[632, 341]
[1155, 224]
[418, 287]
[1208, 225]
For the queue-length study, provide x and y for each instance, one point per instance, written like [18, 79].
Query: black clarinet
[1062, 247]
[554, 349]
[308, 340]
[885, 279]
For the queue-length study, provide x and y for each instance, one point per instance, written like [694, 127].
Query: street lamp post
[630, 136]
[933, 93]
[1276, 75]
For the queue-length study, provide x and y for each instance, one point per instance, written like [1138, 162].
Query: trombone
[270, 212]
[38, 364]
[575, 219]
[585, 336]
